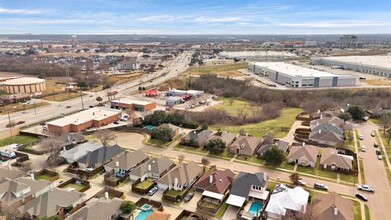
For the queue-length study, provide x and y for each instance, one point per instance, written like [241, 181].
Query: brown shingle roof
[221, 180]
[324, 207]
[309, 152]
[183, 172]
[331, 157]
[157, 215]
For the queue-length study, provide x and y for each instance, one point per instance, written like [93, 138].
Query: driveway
[375, 175]
[192, 204]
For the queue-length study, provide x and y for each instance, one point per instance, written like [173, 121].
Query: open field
[118, 79]
[236, 106]
[277, 128]
[16, 107]
[220, 70]
[19, 139]
[380, 82]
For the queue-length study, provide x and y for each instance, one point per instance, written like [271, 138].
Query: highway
[173, 69]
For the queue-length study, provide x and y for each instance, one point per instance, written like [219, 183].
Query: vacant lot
[278, 128]
[234, 106]
[19, 139]
[379, 82]
[220, 70]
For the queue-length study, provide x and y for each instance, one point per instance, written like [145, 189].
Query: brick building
[94, 117]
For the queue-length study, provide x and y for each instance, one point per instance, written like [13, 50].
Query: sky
[195, 16]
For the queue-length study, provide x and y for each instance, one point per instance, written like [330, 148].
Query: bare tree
[104, 136]
[52, 146]
[385, 121]
[205, 162]
[9, 211]
[181, 158]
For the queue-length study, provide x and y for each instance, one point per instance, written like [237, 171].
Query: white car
[365, 188]
[379, 157]
[363, 149]
[361, 137]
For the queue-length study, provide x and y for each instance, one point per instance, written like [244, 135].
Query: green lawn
[277, 128]
[356, 210]
[236, 107]
[348, 178]
[252, 159]
[18, 139]
[367, 213]
[287, 166]
[225, 155]
[362, 172]
[45, 177]
[317, 171]
[190, 148]
[222, 210]
[145, 184]
[173, 193]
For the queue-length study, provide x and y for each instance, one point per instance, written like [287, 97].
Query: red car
[20, 122]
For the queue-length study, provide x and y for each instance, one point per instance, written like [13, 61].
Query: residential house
[51, 203]
[281, 145]
[335, 121]
[153, 169]
[248, 186]
[332, 206]
[305, 155]
[98, 157]
[74, 154]
[71, 138]
[10, 173]
[22, 189]
[158, 215]
[287, 203]
[327, 131]
[197, 139]
[245, 145]
[129, 63]
[227, 138]
[180, 177]
[126, 162]
[101, 208]
[334, 161]
[213, 185]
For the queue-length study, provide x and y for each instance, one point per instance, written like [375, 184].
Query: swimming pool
[144, 214]
[256, 208]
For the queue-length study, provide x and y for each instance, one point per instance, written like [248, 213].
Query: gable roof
[11, 174]
[335, 121]
[281, 145]
[244, 181]
[308, 151]
[201, 136]
[184, 172]
[326, 137]
[247, 142]
[227, 138]
[284, 198]
[79, 151]
[158, 165]
[100, 155]
[215, 180]
[49, 203]
[327, 128]
[127, 160]
[9, 190]
[97, 209]
[325, 205]
[331, 157]
[157, 215]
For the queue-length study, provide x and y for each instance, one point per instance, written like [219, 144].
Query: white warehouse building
[377, 65]
[297, 76]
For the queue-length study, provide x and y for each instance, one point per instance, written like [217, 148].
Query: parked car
[363, 149]
[152, 191]
[365, 188]
[91, 106]
[42, 123]
[361, 137]
[320, 186]
[379, 157]
[116, 122]
[12, 124]
[375, 145]
[20, 122]
[188, 197]
[25, 112]
[68, 106]
[373, 134]
[362, 197]
[378, 152]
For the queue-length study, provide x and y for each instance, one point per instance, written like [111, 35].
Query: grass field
[380, 82]
[277, 128]
[221, 70]
[16, 107]
[237, 105]
[362, 172]
[45, 177]
[367, 213]
[19, 139]
[62, 96]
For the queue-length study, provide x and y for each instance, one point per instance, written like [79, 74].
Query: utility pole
[81, 97]
[9, 122]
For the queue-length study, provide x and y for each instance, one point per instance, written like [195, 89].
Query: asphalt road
[177, 66]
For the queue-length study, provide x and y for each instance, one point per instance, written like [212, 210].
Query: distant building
[137, 105]
[23, 85]
[300, 77]
[129, 63]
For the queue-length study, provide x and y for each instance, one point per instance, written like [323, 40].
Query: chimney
[64, 148]
[211, 179]
[321, 116]
[32, 176]
[149, 168]
[106, 195]
[303, 144]
[335, 211]
[117, 163]
[319, 131]
[317, 123]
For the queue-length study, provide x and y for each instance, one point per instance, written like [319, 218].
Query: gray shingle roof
[158, 165]
[244, 181]
[127, 160]
[97, 209]
[100, 155]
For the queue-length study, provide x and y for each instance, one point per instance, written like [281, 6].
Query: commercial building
[94, 117]
[377, 65]
[177, 92]
[296, 76]
[256, 55]
[138, 105]
[23, 85]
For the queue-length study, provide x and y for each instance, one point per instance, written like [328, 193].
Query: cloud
[340, 24]
[20, 11]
